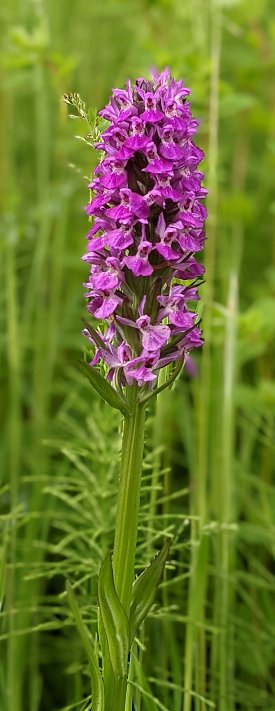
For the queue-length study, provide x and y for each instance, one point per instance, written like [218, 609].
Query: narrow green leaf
[114, 619]
[3, 564]
[104, 389]
[145, 588]
[97, 684]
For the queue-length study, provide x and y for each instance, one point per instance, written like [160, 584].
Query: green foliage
[96, 679]
[114, 619]
[145, 589]
[105, 389]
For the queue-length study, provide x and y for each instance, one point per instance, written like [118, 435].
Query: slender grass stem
[210, 260]
[222, 652]
[14, 689]
[156, 473]
[157, 441]
[162, 439]
[199, 499]
[33, 318]
[225, 644]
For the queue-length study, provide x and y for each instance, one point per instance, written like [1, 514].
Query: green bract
[104, 389]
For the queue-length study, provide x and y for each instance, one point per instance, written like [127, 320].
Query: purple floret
[148, 226]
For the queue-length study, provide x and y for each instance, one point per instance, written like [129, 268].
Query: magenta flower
[148, 226]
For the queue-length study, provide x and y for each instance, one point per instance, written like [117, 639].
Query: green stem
[128, 500]
[195, 640]
[126, 531]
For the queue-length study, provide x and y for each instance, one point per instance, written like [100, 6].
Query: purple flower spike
[148, 226]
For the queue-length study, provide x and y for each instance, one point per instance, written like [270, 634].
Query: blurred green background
[211, 641]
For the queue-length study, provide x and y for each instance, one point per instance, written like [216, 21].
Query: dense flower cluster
[148, 223]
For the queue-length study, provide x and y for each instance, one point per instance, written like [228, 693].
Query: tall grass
[209, 463]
